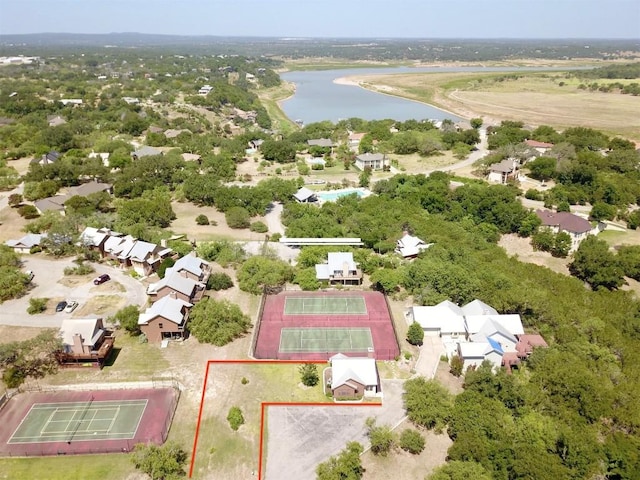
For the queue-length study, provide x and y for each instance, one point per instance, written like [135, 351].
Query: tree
[309, 374]
[33, 358]
[476, 123]
[347, 465]
[164, 462]
[166, 263]
[412, 441]
[28, 212]
[219, 281]
[457, 470]
[542, 168]
[415, 334]
[561, 245]
[15, 199]
[381, 437]
[259, 272]
[235, 418]
[596, 265]
[237, 217]
[217, 322]
[427, 403]
[202, 220]
[127, 318]
[307, 279]
[456, 365]
[37, 305]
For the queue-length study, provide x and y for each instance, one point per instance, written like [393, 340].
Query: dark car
[101, 279]
[61, 306]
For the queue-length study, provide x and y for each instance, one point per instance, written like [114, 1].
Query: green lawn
[74, 467]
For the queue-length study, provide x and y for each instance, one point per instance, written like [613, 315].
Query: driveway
[299, 438]
[47, 273]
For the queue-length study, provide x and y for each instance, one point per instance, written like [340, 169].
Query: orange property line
[263, 405]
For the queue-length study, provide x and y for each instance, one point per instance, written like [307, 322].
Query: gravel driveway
[299, 438]
[47, 273]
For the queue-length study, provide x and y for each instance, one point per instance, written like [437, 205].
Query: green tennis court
[80, 421]
[325, 305]
[334, 339]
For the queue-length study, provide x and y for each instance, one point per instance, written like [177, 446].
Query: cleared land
[534, 98]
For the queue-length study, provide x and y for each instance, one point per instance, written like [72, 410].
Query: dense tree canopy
[217, 322]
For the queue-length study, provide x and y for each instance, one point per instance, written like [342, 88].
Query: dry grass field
[534, 98]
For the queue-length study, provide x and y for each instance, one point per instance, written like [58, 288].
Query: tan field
[536, 99]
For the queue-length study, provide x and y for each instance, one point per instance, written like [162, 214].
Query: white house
[409, 246]
[444, 319]
[304, 195]
[375, 161]
[474, 353]
[353, 377]
[503, 171]
[26, 243]
[340, 268]
[205, 89]
[577, 227]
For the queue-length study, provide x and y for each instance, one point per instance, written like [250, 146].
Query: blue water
[317, 98]
[332, 196]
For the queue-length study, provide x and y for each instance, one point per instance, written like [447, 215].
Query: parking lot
[50, 282]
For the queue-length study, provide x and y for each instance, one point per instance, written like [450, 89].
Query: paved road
[47, 273]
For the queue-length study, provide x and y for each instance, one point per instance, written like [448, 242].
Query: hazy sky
[330, 18]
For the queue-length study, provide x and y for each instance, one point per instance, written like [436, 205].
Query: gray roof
[146, 151]
[175, 282]
[90, 329]
[188, 263]
[51, 203]
[320, 142]
[303, 194]
[478, 307]
[89, 188]
[166, 307]
[370, 157]
[28, 241]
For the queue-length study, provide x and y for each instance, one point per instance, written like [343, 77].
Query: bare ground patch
[100, 305]
[521, 248]
[12, 224]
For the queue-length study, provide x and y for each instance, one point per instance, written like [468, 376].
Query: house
[145, 257]
[88, 188]
[321, 142]
[191, 267]
[205, 89]
[166, 318]
[354, 139]
[494, 330]
[55, 203]
[577, 227]
[474, 353]
[55, 120]
[540, 147]
[145, 151]
[178, 287]
[117, 248]
[84, 341]
[304, 195]
[374, 161]
[131, 100]
[353, 377]
[409, 246]
[503, 171]
[340, 268]
[527, 343]
[104, 156]
[95, 238]
[47, 158]
[445, 319]
[71, 101]
[256, 144]
[26, 243]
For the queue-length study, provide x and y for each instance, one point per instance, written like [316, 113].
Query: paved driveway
[299, 438]
[47, 273]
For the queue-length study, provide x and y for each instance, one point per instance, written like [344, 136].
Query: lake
[318, 98]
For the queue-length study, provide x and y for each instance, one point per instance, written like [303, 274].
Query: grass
[74, 467]
[617, 238]
[271, 99]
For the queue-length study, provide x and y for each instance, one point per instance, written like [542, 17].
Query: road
[47, 273]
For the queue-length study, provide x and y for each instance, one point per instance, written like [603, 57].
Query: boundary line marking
[263, 405]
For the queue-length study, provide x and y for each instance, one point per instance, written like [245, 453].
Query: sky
[329, 18]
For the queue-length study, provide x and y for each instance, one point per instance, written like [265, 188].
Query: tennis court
[332, 339]
[325, 305]
[80, 421]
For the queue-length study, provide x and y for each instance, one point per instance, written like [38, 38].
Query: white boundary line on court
[113, 420]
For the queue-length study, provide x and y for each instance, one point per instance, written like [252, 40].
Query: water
[317, 98]
[333, 195]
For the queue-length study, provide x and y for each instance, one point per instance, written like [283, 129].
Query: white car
[71, 306]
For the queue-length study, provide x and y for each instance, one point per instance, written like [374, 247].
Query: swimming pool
[333, 195]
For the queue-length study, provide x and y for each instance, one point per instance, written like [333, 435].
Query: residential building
[47, 158]
[473, 354]
[374, 161]
[304, 195]
[321, 142]
[26, 243]
[190, 266]
[353, 377]
[95, 238]
[540, 147]
[445, 319]
[55, 120]
[145, 151]
[84, 341]
[205, 89]
[177, 286]
[340, 268]
[165, 319]
[577, 227]
[409, 246]
[55, 203]
[503, 171]
[354, 139]
[145, 257]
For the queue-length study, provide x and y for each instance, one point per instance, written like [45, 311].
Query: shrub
[202, 220]
[309, 374]
[258, 227]
[533, 194]
[415, 334]
[219, 281]
[81, 269]
[235, 418]
[277, 236]
[411, 441]
[37, 305]
[382, 439]
[244, 380]
[166, 263]
[457, 363]
[28, 212]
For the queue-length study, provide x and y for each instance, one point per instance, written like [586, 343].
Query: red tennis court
[316, 312]
[75, 422]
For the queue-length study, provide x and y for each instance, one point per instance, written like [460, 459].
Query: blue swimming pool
[333, 195]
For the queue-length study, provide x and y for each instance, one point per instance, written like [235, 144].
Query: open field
[534, 98]
[521, 248]
[271, 99]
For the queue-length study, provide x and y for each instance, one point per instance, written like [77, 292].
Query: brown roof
[505, 166]
[526, 344]
[565, 221]
[537, 144]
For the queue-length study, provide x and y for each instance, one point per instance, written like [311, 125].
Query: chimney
[163, 243]
[173, 295]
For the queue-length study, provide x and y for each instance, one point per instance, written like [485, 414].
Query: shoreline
[355, 81]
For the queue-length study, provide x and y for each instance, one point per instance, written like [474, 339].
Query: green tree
[202, 220]
[306, 278]
[309, 374]
[427, 403]
[561, 245]
[529, 225]
[127, 318]
[37, 305]
[166, 263]
[596, 265]
[34, 358]
[235, 418]
[476, 123]
[217, 322]
[164, 462]
[415, 334]
[456, 470]
[381, 437]
[347, 465]
[237, 217]
[542, 168]
[412, 441]
[259, 272]
[219, 281]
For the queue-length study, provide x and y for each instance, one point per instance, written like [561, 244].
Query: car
[71, 306]
[101, 279]
[61, 306]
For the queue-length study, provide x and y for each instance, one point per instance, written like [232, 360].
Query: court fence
[256, 330]
[378, 354]
[157, 382]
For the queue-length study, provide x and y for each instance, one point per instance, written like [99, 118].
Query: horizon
[406, 19]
